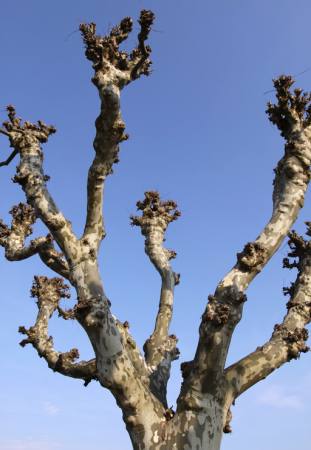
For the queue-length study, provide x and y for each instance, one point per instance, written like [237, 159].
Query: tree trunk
[186, 431]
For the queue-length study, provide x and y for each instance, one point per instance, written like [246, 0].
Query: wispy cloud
[29, 444]
[50, 409]
[278, 397]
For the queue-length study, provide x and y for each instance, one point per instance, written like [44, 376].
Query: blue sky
[198, 134]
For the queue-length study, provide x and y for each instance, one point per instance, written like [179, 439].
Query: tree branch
[160, 349]
[113, 70]
[13, 240]
[10, 158]
[54, 260]
[140, 62]
[26, 139]
[292, 115]
[49, 291]
[289, 338]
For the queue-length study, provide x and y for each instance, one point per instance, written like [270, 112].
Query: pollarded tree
[139, 382]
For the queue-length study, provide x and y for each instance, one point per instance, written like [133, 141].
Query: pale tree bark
[139, 381]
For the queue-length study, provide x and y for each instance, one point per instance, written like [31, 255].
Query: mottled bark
[139, 382]
[160, 349]
[289, 338]
[205, 374]
[13, 241]
[26, 139]
[48, 292]
[114, 69]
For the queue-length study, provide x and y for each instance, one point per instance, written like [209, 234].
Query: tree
[138, 382]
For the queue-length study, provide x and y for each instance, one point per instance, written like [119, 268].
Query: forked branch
[26, 139]
[291, 114]
[114, 69]
[13, 240]
[289, 338]
[49, 291]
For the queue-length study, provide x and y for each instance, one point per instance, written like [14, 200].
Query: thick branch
[49, 291]
[113, 70]
[160, 349]
[292, 116]
[289, 338]
[120, 366]
[119, 354]
[26, 139]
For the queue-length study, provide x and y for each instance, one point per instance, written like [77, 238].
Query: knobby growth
[139, 381]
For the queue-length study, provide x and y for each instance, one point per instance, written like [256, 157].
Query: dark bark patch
[253, 255]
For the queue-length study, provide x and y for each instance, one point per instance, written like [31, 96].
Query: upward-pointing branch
[292, 115]
[113, 70]
[160, 349]
[48, 292]
[26, 139]
[289, 338]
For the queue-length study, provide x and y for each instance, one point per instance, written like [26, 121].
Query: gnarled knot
[215, 312]
[30, 333]
[299, 247]
[91, 310]
[295, 340]
[65, 358]
[104, 51]
[291, 107]
[22, 213]
[253, 255]
[23, 217]
[23, 134]
[296, 243]
[83, 307]
[49, 289]
[155, 212]
[99, 47]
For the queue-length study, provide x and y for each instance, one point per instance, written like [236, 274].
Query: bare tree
[139, 382]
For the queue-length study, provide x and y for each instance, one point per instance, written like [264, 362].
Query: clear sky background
[198, 134]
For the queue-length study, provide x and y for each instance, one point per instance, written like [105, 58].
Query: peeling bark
[139, 382]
